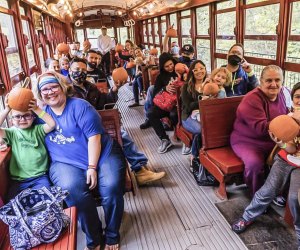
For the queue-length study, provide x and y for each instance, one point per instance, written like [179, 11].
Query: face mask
[234, 60]
[79, 76]
[92, 65]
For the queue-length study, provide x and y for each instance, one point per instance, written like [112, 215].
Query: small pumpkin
[119, 48]
[120, 74]
[19, 98]
[171, 32]
[181, 68]
[284, 127]
[63, 48]
[130, 65]
[211, 89]
[87, 45]
[153, 52]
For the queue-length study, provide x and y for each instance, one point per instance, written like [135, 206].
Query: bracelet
[41, 115]
[92, 167]
[250, 74]
[283, 146]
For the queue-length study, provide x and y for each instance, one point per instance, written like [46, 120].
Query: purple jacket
[253, 117]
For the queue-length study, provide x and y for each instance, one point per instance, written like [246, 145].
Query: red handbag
[165, 100]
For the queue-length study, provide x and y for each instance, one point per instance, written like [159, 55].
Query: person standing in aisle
[104, 46]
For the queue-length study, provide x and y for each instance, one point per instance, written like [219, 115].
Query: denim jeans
[135, 158]
[111, 181]
[137, 85]
[149, 100]
[281, 174]
[16, 187]
[192, 125]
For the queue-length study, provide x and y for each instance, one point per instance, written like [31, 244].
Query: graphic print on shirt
[59, 138]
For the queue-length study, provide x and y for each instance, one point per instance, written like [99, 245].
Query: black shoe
[145, 125]
[135, 104]
[240, 225]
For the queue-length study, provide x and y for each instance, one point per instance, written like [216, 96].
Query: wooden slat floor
[174, 213]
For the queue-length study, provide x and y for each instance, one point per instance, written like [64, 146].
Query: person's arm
[100, 45]
[49, 121]
[188, 102]
[165, 44]
[94, 150]
[125, 57]
[3, 116]
[252, 110]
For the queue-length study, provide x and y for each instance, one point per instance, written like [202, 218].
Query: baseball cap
[187, 49]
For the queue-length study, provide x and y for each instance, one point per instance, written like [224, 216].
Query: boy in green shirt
[29, 161]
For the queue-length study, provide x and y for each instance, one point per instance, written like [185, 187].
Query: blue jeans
[149, 100]
[281, 174]
[37, 182]
[111, 182]
[133, 156]
[192, 125]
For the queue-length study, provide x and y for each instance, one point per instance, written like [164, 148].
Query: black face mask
[234, 60]
[78, 76]
[92, 65]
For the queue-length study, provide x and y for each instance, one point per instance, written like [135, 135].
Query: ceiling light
[65, 7]
[119, 12]
[141, 10]
[134, 13]
[80, 14]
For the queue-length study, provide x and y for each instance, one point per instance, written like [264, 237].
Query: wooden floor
[174, 213]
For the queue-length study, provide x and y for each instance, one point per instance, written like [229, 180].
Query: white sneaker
[164, 146]
[186, 150]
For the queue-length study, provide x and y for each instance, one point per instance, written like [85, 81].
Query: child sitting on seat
[220, 76]
[29, 161]
[64, 65]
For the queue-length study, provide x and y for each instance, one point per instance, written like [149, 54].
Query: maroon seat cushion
[226, 160]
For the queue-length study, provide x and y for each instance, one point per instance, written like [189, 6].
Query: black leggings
[155, 114]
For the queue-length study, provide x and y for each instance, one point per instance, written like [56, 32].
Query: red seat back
[217, 118]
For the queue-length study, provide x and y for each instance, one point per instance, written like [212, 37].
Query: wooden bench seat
[68, 239]
[226, 160]
[216, 155]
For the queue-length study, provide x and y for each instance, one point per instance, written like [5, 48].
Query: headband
[47, 80]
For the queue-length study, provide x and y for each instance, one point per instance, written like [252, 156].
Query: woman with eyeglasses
[29, 162]
[84, 157]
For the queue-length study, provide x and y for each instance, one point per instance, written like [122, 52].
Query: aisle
[174, 213]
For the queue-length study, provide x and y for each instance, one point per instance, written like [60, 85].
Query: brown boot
[145, 176]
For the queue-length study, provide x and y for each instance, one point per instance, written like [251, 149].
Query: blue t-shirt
[68, 143]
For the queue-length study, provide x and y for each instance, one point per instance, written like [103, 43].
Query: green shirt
[29, 155]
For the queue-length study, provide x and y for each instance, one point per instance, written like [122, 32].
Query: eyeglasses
[53, 89]
[25, 117]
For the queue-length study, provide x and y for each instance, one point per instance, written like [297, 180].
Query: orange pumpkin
[130, 65]
[180, 68]
[284, 127]
[120, 74]
[211, 89]
[19, 98]
[153, 52]
[63, 48]
[119, 48]
[172, 32]
[87, 44]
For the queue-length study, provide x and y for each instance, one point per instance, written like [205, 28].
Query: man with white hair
[104, 46]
